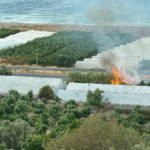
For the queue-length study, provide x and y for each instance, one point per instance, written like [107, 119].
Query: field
[63, 49]
[6, 32]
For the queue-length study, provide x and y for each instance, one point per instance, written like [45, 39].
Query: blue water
[134, 13]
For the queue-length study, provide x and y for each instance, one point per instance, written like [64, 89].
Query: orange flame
[117, 77]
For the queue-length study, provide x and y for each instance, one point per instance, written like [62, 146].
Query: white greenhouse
[24, 84]
[126, 56]
[22, 37]
[115, 94]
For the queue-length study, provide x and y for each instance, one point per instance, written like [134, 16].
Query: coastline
[136, 30]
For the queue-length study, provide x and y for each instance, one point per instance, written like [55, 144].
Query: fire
[117, 77]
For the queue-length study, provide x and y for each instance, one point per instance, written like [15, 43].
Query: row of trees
[4, 32]
[73, 45]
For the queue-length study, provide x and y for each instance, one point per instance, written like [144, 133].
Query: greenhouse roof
[116, 94]
[24, 84]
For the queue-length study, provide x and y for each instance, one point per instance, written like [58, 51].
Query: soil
[137, 30]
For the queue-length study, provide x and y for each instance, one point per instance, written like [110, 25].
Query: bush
[30, 95]
[42, 129]
[32, 142]
[95, 134]
[44, 100]
[15, 94]
[46, 92]
[2, 146]
[24, 97]
[71, 116]
[86, 111]
[62, 120]
[20, 107]
[71, 102]
[54, 111]
[57, 99]
[62, 61]
[4, 70]
[95, 98]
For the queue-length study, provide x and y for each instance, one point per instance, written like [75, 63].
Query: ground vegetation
[28, 123]
[62, 49]
[4, 32]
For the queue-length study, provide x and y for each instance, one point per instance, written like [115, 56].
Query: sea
[105, 12]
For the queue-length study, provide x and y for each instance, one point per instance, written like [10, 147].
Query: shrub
[95, 98]
[62, 61]
[75, 124]
[54, 111]
[71, 116]
[97, 134]
[57, 99]
[20, 107]
[15, 94]
[32, 142]
[44, 100]
[24, 97]
[46, 92]
[30, 95]
[42, 129]
[86, 111]
[62, 120]
[71, 102]
[4, 70]
[2, 146]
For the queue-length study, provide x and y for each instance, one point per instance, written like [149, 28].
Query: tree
[32, 142]
[95, 98]
[15, 132]
[2, 146]
[30, 95]
[54, 110]
[20, 107]
[46, 92]
[96, 134]
[4, 70]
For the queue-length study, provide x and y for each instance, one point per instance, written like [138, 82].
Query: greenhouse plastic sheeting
[139, 48]
[22, 37]
[114, 98]
[126, 89]
[24, 84]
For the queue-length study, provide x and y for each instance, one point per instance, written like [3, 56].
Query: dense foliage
[6, 32]
[142, 83]
[68, 45]
[102, 78]
[28, 123]
[95, 134]
[95, 98]
[4, 70]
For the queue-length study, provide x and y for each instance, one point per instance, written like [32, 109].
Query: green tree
[4, 70]
[30, 95]
[95, 134]
[95, 98]
[54, 110]
[46, 92]
[20, 107]
[2, 146]
[32, 142]
[15, 132]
